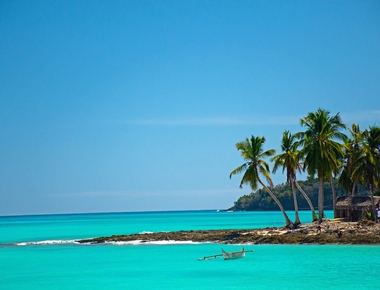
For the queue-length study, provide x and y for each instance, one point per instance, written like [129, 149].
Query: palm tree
[334, 172]
[289, 160]
[320, 150]
[255, 165]
[367, 165]
[314, 216]
[352, 151]
[344, 178]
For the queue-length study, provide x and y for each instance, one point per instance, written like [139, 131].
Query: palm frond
[239, 169]
[252, 151]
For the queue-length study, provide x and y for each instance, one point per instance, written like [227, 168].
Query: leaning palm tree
[334, 173]
[255, 165]
[355, 151]
[313, 215]
[344, 178]
[367, 165]
[352, 151]
[289, 160]
[320, 151]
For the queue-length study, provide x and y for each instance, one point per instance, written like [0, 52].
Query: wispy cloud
[203, 192]
[371, 116]
[149, 193]
[218, 121]
[92, 193]
[187, 122]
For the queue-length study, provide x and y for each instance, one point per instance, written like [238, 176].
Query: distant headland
[259, 200]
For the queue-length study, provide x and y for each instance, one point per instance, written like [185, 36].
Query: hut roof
[356, 201]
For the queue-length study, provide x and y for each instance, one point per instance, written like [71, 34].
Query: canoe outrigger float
[227, 255]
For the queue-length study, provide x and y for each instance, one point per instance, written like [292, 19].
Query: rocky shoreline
[327, 232]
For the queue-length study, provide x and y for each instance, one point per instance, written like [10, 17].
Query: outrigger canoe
[233, 255]
[227, 255]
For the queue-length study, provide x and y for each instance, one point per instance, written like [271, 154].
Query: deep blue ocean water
[38, 252]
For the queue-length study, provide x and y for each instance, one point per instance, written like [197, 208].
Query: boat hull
[233, 255]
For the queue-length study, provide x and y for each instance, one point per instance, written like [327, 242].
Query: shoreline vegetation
[322, 150]
[260, 201]
[328, 232]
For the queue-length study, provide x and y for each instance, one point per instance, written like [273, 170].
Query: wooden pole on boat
[210, 257]
[219, 255]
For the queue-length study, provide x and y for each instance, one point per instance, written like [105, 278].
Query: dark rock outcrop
[328, 232]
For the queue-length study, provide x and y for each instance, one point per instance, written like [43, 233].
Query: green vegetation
[258, 200]
[320, 152]
[355, 163]
[254, 154]
[289, 161]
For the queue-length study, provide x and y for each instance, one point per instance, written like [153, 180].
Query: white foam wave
[117, 243]
[172, 242]
[47, 242]
[140, 242]
[131, 243]
[145, 232]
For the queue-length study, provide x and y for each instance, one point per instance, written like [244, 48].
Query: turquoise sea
[39, 252]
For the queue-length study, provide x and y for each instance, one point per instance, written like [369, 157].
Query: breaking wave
[140, 242]
[47, 242]
[117, 243]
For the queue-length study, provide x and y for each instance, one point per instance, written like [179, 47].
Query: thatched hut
[354, 208]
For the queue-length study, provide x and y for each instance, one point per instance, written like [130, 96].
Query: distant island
[261, 201]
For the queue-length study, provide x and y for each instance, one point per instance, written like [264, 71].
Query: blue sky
[137, 105]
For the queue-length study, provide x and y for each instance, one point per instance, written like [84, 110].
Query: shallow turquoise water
[73, 266]
[75, 226]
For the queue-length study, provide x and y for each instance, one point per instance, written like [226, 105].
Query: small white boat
[227, 255]
[233, 255]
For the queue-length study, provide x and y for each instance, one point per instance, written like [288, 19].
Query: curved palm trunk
[321, 200]
[354, 188]
[374, 215]
[288, 222]
[297, 222]
[308, 201]
[333, 193]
